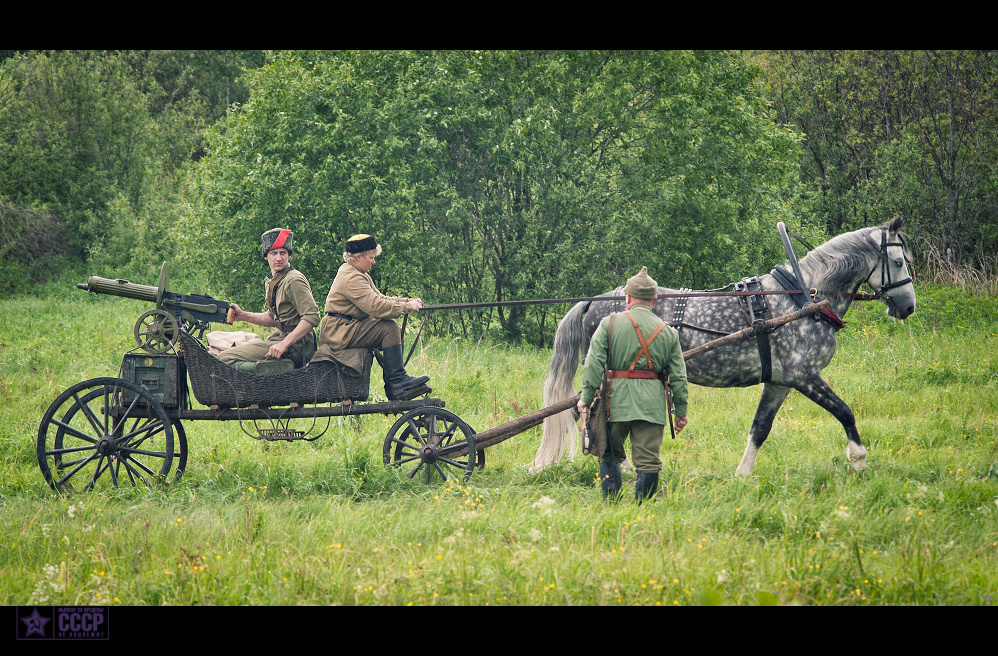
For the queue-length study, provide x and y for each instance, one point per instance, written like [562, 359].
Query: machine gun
[156, 331]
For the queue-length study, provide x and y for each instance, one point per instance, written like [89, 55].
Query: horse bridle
[885, 263]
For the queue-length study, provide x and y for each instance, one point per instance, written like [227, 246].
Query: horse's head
[890, 277]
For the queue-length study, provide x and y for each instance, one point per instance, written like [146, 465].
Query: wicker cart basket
[217, 384]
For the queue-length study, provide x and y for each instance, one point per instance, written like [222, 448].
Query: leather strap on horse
[679, 309]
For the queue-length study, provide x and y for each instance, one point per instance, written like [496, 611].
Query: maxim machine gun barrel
[157, 330]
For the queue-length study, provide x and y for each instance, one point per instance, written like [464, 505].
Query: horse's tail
[560, 434]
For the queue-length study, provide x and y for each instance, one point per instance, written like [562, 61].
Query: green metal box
[157, 373]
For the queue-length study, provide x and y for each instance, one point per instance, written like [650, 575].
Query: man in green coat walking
[640, 346]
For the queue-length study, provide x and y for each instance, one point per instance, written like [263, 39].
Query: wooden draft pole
[503, 432]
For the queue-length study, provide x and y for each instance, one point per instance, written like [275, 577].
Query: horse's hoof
[743, 471]
[857, 456]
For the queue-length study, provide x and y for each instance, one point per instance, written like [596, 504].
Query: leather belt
[341, 316]
[637, 373]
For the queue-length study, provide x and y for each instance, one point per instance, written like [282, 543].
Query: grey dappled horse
[799, 350]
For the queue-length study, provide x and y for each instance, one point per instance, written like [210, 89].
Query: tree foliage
[488, 175]
[498, 175]
[99, 142]
[896, 132]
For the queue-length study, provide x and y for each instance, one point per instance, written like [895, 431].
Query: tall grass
[326, 523]
[980, 277]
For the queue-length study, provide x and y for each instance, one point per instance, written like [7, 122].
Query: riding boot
[646, 486]
[399, 386]
[609, 475]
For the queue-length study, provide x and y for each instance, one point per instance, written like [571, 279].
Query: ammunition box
[157, 373]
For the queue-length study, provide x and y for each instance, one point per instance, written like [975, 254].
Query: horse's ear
[895, 224]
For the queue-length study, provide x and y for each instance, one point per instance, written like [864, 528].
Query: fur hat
[361, 244]
[642, 286]
[277, 238]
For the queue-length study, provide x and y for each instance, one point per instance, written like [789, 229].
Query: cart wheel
[426, 441]
[79, 441]
[180, 449]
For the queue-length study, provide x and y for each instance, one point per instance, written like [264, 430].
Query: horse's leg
[773, 397]
[821, 393]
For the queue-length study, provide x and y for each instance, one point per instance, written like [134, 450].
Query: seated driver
[357, 315]
[290, 310]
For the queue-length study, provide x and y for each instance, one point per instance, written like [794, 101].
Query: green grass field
[326, 523]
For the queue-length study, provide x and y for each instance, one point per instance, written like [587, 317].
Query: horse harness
[885, 269]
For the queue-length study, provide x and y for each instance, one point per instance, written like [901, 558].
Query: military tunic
[353, 294]
[289, 300]
[637, 402]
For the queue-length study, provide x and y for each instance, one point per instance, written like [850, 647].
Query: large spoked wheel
[429, 442]
[180, 450]
[106, 431]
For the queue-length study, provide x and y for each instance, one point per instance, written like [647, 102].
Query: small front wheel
[106, 431]
[431, 441]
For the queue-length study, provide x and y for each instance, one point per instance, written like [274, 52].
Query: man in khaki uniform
[357, 315]
[641, 346]
[291, 310]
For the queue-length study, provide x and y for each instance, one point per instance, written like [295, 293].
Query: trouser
[376, 334]
[646, 443]
[257, 351]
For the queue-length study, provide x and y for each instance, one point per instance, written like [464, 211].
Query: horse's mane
[841, 262]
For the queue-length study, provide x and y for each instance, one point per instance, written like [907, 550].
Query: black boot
[646, 486]
[400, 386]
[609, 476]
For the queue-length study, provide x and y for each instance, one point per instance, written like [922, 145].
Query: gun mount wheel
[82, 445]
[429, 442]
[156, 331]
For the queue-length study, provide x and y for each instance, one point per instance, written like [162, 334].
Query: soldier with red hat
[290, 310]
